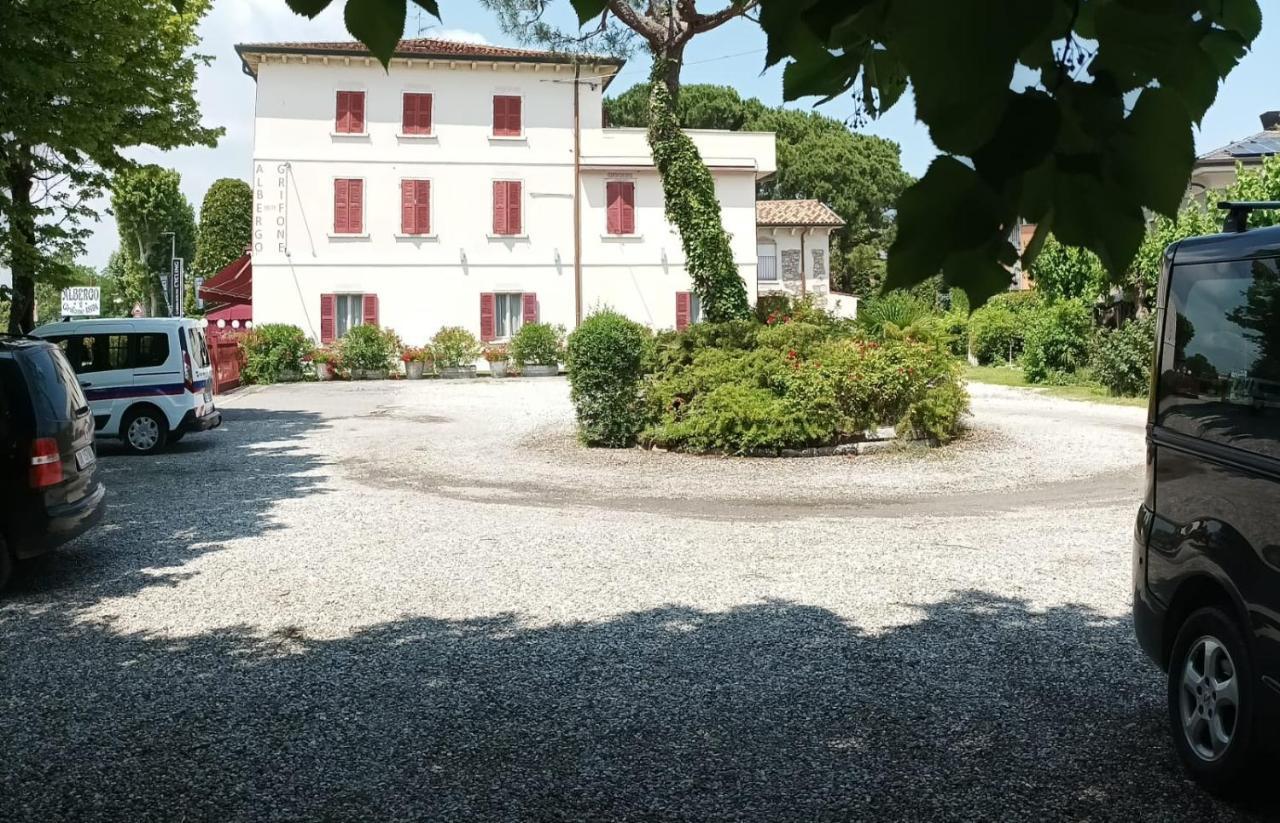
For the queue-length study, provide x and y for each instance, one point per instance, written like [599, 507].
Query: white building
[444, 192]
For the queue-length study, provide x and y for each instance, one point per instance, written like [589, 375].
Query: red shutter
[407, 202]
[529, 304]
[371, 309]
[357, 112]
[627, 211]
[514, 217]
[328, 307]
[499, 207]
[425, 102]
[355, 206]
[488, 312]
[513, 115]
[422, 207]
[417, 114]
[342, 115]
[341, 209]
[613, 206]
[506, 115]
[684, 306]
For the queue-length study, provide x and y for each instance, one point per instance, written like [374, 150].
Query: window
[349, 313]
[1220, 378]
[507, 315]
[350, 113]
[415, 206]
[767, 261]
[340, 313]
[348, 206]
[507, 207]
[417, 113]
[153, 351]
[506, 116]
[620, 206]
[503, 313]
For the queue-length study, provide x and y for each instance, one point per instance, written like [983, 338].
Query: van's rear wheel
[143, 431]
[1212, 700]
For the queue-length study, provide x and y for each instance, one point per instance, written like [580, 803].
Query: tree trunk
[674, 57]
[22, 235]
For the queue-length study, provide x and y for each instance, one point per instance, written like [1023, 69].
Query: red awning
[233, 286]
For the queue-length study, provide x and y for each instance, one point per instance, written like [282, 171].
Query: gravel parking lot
[424, 601]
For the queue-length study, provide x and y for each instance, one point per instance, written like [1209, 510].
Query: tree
[83, 82]
[149, 206]
[1067, 273]
[226, 225]
[859, 176]
[1102, 131]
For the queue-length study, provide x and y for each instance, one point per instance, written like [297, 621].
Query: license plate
[85, 458]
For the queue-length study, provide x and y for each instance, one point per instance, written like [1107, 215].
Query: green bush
[998, 330]
[454, 347]
[1123, 357]
[607, 357]
[1057, 341]
[537, 344]
[369, 348]
[679, 347]
[898, 309]
[271, 351]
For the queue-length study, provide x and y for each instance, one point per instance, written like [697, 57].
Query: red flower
[792, 354]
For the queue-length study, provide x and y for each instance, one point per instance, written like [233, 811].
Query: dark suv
[1206, 561]
[48, 489]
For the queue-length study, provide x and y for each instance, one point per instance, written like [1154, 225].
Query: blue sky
[732, 55]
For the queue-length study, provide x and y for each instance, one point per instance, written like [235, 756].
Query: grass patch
[1012, 376]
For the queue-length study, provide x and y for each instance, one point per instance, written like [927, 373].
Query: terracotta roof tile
[796, 213]
[419, 46]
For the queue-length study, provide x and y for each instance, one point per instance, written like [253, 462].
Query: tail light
[188, 377]
[46, 463]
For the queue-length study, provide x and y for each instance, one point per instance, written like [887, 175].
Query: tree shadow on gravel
[983, 709]
[167, 509]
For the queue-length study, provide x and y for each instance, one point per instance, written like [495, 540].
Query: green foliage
[368, 348]
[271, 351]
[607, 357]
[692, 207]
[68, 119]
[226, 226]
[454, 346]
[1123, 357]
[899, 309]
[1057, 341]
[379, 24]
[995, 334]
[1099, 135]
[1068, 273]
[148, 203]
[537, 344]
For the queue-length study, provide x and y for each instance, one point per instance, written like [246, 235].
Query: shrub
[1122, 357]
[454, 347]
[997, 331]
[899, 309]
[607, 357]
[679, 348]
[272, 350]
[537, 344]
[369, 348]
[1057, 341]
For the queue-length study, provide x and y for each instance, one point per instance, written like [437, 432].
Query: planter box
[368, 374]
[532, 370]
[289, 376]
[324, 371]
[498, 369]
[457, 372]
[413, 369]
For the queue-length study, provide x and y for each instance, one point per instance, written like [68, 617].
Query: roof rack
[1238, 212]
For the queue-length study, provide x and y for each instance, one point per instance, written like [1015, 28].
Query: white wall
[426, 283]
[802, 241]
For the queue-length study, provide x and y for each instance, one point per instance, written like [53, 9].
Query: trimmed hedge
[1123, 357]
[271, 351]
[537, 344]
[607, 357]
[1057, 342]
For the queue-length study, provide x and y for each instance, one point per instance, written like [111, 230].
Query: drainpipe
[804, 266]
[577, 197]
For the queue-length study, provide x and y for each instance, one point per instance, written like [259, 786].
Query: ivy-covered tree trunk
[22, 245]
[691, 204]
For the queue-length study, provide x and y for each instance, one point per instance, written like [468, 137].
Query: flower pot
[498, 368]
[324, 371]
[413, 369]
[368, 374]
[289, 376]
[457, 372]
[540, 370]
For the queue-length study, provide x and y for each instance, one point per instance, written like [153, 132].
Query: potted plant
[368, 352]
[414, 359]
[537, 348]
[456, 352]
[324, 360]
[497, 356]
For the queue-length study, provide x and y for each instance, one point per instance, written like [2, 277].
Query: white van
[148, 380]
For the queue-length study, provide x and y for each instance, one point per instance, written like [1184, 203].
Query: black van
[49, 492]
[1206, 561]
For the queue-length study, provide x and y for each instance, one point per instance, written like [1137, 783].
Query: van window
[1222, 381]
[153, 350]
[199, 351]
[54, 390]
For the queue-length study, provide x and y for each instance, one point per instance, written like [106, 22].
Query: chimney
[1270, 120]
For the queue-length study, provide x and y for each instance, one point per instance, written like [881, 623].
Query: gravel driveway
[423, 601]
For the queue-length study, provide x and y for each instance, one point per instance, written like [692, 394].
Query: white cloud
[457, 36]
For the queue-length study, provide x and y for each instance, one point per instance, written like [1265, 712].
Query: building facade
[444, 191]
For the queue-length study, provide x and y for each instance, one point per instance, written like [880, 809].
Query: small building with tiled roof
[793, 247]
[1217, 169]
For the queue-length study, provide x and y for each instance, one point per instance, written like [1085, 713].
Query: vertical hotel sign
[270, 216]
